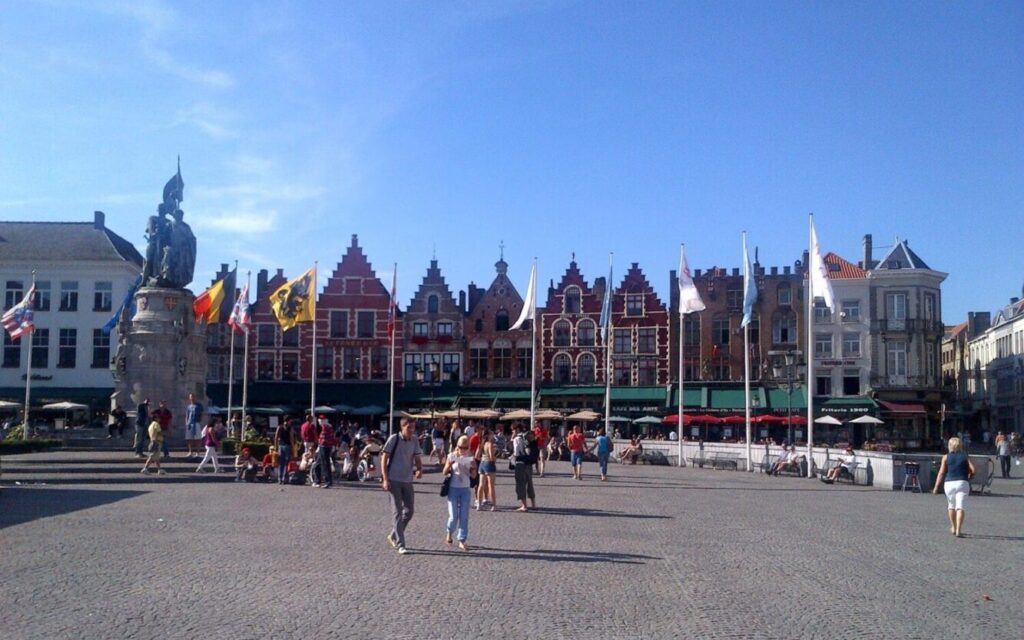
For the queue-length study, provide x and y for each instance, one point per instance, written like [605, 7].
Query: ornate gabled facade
[640, 347]
[995, 385]
[273, 354]
[571, 349]
[842, 340]
[434, 339]
[496, 355]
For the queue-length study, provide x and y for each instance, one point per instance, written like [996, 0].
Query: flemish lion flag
[214, 304]
[295, 301]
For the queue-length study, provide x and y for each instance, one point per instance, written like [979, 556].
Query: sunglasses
[463, 446]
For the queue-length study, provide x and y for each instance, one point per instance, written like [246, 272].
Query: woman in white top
[461, 465]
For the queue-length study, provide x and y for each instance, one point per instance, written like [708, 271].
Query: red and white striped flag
[393, 308]
[19, 319]
[241, 318]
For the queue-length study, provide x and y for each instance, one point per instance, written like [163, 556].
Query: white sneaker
[402, 551]
[144, 470]
[476, 505]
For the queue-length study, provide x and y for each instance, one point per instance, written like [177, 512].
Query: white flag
[530, 302]
[821, 284]
[749, 286]
[689, 297]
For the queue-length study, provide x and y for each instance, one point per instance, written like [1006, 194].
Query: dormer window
[572, 300]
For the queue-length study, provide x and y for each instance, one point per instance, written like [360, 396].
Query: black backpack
[530, 452]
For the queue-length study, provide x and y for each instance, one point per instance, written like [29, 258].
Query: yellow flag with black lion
[295, 301]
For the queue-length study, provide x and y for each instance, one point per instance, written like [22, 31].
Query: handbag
[445, 485]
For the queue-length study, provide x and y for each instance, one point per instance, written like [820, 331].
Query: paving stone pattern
[654, 553]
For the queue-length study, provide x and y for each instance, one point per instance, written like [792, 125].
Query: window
[478, 363]
[851, 345]
[585, 333]
[43, 295]
[40, 348]
[68, 296]
[823, 384]
[896, 361]
[929, 364]
[419, 329]
[365, 324]
[102, 298]
[784, 328]
[585, 369]
[851, 383]
[413, 367]
[14, 294]
[432, 304]
[647, 372]
[823, 345]
[571, 302]
[634, 304]
[850, 310]
[524, 365]
[379, 363]
[451, 364]
[265, 334]
[444, 329]
[290, 338]
[784, 294]
[432, 367]
[12, 352]
[822, 315]
[563, 369]
[734, 297]
[691, 327]
[100, 349]
[339, 324]
[896, 310]
[622, 341]
[929, 307]
[561, 333]
[647, 340]
[502, 360]
[755, 328]
[623, 373]
[325, 363]
[265, 366]
[721, 370]
[500, 321]
[215, 368]
[720, 331]
[290, 366]
[350, 363]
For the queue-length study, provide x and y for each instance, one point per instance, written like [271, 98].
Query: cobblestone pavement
[656, 552]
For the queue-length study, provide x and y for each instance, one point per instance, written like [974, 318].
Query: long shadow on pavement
[988, 537]
[25, 505]
[543, 555]
[601, 513]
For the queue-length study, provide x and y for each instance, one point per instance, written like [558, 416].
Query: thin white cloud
[211, 120]
[249, 219]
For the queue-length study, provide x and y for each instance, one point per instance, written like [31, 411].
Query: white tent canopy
[866, 419]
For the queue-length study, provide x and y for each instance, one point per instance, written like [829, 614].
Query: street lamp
[787, 370]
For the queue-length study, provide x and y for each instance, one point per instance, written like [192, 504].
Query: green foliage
[257, 447]
[10, 447]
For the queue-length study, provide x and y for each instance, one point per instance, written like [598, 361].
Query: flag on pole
[128, 303]
[689, 298]
[20, 319]
[393, 307]
[749, 286]
[295, 301]
[820, 282]
[241, 318]
[214, 304]
[530, 302]
[606, 308]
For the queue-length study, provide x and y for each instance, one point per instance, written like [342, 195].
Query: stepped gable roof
[839, 269]
[433, 282]
[572, 276]
[636, 282]
[354, 264]
[901, 257]
[72, 241]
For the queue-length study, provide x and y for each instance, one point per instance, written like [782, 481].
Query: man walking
[577, 444]
[193, 416]
[328, 441]
[400, 464]
[141, 425]
[163, 415]
[1003, 452]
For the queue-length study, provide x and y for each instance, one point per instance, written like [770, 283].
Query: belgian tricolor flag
[215, 303]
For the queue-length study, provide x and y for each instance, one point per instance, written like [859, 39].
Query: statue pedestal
[162, 356]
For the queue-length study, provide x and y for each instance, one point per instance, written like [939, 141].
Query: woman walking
[283, 443]
[956, 470]
[210, 443]
[488, 456]
[461, 465]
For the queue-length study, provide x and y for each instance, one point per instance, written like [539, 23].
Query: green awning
[553, 392]
[849, 405]
[646, 395]
[46, 395]
[735, 399]
[693, 396]
[490, 398]
[421, 396]
[778, 399]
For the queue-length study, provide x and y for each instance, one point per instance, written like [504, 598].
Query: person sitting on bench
[246, 466]
[632, 452]
[788, 460]
[847, 462]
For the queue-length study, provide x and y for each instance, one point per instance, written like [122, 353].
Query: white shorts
[438, 445]
[956, 492]
[192, 431]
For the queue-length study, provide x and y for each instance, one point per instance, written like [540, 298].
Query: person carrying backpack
[524, 456]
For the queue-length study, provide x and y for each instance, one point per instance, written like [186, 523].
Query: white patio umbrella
[518, 414]
[828, 420]
[866, 419]
[7, 405]
[64, 406]
[584, 416]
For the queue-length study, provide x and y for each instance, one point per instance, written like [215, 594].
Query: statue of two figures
[171, 246]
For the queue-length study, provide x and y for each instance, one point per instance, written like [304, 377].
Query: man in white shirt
[781, 463]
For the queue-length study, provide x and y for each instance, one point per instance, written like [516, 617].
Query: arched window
[571, 302]
[585, 369]
[501, 320]
[585, 333]
[562, 331]
[563, 369]
[432, 304]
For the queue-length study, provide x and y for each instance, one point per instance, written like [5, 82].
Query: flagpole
[28, 367]
[245, 363]
[391, 360]
[231, 366]
[682, 329]
[533, 348]
[608, 332]
[746, 355]
[312, 392]
[810, 351]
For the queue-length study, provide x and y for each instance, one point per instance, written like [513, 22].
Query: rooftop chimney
[98, 219]
[867, 252]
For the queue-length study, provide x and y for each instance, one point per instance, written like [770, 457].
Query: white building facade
[995, 379]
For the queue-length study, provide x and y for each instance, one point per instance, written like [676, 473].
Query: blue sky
[556, 127]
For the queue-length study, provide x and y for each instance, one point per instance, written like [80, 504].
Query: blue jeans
[458, 507]
[602, 461]
[284, 452]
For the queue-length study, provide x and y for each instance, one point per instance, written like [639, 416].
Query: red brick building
[640, 347]
[571, 349]
[434, 341]
[494, 354]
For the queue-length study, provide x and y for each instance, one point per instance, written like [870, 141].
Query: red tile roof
[839, 269]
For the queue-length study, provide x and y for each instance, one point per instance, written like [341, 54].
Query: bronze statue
[171, 246]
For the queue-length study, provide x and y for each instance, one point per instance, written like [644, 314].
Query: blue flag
[606, 308]
[129, 302]
[749, 287]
